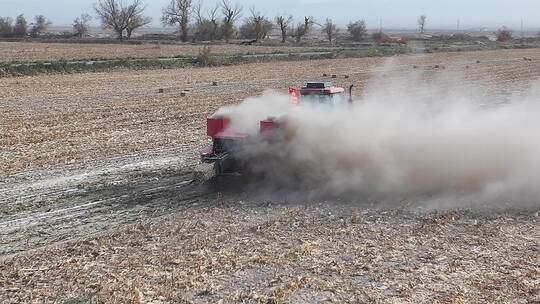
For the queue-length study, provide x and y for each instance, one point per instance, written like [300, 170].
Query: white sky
[394, 13]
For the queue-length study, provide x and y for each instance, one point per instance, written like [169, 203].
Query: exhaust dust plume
[405, 137]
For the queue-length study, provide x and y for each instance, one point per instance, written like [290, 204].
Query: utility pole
[380, 25]
[522, 32]
[458, 25]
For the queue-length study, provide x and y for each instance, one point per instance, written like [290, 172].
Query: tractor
[222, 157]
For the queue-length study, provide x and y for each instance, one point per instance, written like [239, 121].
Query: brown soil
[97, 201]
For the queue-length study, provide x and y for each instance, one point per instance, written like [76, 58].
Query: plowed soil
[97, 202]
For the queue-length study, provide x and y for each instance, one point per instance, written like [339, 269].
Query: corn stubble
[230, 249]
[245, 251]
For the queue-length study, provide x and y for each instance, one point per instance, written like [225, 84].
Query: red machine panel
[216, 125]
[268, 126]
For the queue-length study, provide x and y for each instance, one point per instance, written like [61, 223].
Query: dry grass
[31, 51]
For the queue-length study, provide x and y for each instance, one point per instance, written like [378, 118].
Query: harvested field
[61, 119]
[245, 251]
[33, 51]
[97, 201]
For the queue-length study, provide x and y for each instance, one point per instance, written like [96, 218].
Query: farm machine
[224, 155]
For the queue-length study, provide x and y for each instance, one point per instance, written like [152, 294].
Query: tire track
[101, 203]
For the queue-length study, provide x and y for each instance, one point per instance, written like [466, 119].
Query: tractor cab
[319, 94]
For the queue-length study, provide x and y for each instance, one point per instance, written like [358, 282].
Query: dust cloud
[439, 139]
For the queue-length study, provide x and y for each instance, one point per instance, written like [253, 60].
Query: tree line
[219, 22]
[21, 28]
[196, 23]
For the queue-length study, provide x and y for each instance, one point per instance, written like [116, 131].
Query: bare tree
[6, 27]
[81, 25]
[422, 23]
[199, 19]
[39, 26]
[20, 29]
[136, 22]
[197, 12]
[119, 17]
[178, 12]
[284, 23]
[213, 17]
[206, 23]
[256, 27]
[330, 29]
[135, 18]
[357, 29]
[263, 26]
[110, 13]
[230, 15]
[303, 28]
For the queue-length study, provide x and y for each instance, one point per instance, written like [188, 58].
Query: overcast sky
[393, 13]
